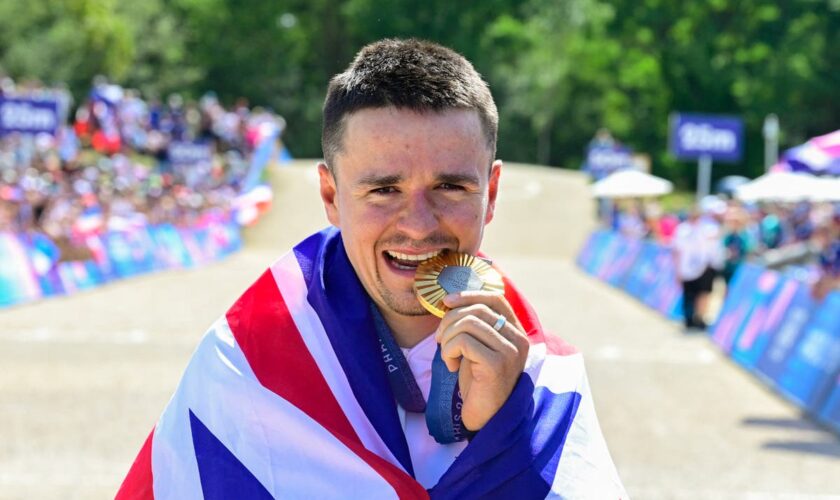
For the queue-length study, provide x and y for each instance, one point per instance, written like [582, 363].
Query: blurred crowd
[719, 234]
[110, 165]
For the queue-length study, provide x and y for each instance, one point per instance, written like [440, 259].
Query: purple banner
[695, 135]
[28, 116]
[189, 153]
[601, 161]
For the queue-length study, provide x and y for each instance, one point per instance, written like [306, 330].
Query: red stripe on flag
[264, 329]
[138, 484]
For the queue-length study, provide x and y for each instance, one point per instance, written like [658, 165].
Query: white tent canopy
[788, 187]
[631, 184]
[827, 189]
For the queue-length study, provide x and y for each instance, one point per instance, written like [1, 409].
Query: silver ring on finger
[500, 323]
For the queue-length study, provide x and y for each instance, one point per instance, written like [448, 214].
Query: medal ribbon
[403, 385]
[443, 413]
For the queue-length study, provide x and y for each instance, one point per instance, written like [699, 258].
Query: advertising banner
[584, 258]
[602, 160]
[830, 412]
[736, 306]
[42, 255]
[266, 149]
[169, 250]
[812, 368]
[120, 254]
[17, 281]
[694, 135]
[783, 337]
[184, 153]
[642, 276]
[79, 275]
[770, 299]
[611, 248]
[617, 270]
[28, 116]
[29, 267]
[665, 293]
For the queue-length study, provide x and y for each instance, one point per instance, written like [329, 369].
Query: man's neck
[408, 331]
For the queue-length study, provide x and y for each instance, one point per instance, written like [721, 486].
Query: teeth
[412, 258]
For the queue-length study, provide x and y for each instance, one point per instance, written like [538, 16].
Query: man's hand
[489, 361]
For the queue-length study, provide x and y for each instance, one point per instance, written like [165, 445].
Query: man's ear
[329, 191]
[493, 190]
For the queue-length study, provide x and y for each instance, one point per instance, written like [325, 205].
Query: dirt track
[85, 377]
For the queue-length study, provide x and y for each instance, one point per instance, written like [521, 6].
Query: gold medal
[453, 272]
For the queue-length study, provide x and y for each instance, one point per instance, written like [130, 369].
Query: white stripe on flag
[288, 452]
[289, 279]
[585, 469]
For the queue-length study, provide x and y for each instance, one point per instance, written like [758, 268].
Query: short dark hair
[410, 74]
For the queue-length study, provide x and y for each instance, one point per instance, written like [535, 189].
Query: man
[324, 379]
[697, 248]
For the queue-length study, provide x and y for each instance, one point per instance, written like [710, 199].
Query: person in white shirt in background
[698, 252]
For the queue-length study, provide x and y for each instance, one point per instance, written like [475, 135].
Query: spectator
[695, 249]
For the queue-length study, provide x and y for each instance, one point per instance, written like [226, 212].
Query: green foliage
[560, 69]
[134, 43]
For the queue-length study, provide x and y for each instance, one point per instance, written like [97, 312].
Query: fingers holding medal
[479, 333]
[489, 319]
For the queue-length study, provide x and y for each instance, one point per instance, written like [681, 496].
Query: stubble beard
[401, 305]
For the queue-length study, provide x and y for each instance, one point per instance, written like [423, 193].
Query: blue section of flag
[534, 425]
[222, 475]
[552, 421]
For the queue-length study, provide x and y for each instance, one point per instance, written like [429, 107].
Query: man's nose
[419, 216]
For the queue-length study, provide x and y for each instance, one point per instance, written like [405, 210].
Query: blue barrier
[815, 362]
[742, 322]
[17, 280]
[772, 296]
[830, 412]
[615, 272]
[641, 268]
[665, 294]
[603, 246]
[786, 335]
[27, 271]
[585, 255]
[769, 323]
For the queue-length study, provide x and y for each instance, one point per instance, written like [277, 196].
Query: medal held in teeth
[453, 272]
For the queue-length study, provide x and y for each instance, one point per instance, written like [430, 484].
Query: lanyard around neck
[443, 412]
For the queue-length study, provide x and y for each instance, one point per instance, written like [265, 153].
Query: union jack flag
[286, 396]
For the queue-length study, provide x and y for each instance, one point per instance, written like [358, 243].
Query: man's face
[408, 185]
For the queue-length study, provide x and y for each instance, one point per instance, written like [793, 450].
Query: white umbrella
[779, 186]
[826, 189]
[631, 184]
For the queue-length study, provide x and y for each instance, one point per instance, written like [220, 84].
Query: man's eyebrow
[374, 180]
[458, 179]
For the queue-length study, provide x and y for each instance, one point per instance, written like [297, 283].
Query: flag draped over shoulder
[286, 396]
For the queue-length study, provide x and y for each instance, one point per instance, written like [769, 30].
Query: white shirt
[429, 458]
[698, 247]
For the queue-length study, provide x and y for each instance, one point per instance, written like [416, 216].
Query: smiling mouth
[408, 262]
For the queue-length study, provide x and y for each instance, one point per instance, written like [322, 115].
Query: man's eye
[384, 190]
[450, 187]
